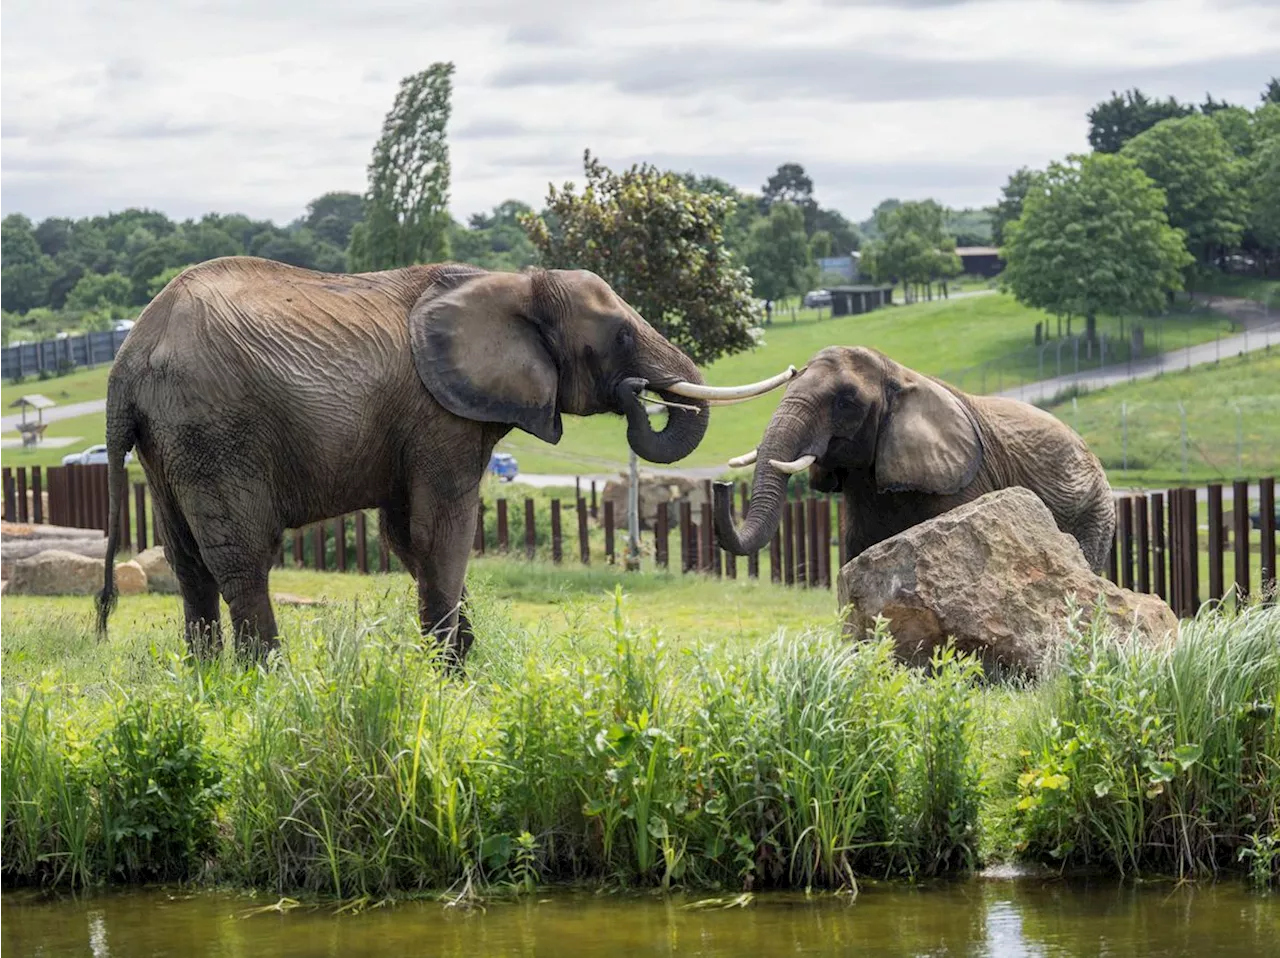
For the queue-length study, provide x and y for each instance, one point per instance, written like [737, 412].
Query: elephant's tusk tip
[746, 459]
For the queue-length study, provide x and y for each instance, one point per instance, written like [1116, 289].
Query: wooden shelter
[32, 432]
[852, 300]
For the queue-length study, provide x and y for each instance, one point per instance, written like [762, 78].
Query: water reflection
[980, 919]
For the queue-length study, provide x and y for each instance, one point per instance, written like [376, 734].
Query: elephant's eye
[625, 338]
[845, 402]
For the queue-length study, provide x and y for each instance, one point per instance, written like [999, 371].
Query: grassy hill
[1222, 444]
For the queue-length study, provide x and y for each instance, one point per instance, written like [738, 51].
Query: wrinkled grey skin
[904, 447]
[261, 397]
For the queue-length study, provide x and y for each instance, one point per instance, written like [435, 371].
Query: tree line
[1170, 194]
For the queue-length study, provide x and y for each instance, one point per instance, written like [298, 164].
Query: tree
[1113, 122]
[98, 293]
[25, 269]
[1094, 238]
[660, 245]
[913, 245]
[778, 254]
[845, 238]
[1201, 178]
[869, 227]
[406, 216]
[790, 184]
[494, 240]
[1009, 207]
[332, 217]
[1264, 180]
[1271, 94]
[820, 245]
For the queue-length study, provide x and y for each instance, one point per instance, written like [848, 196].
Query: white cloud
[258, 106]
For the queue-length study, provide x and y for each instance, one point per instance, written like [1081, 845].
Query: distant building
[980, 260]
[840, 265]
[852, 300]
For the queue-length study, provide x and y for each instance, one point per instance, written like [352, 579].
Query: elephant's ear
[479, 350]
[928, 441]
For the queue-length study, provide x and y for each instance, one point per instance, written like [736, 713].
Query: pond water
[975, 918]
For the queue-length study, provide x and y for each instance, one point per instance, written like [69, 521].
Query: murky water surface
[976, 918]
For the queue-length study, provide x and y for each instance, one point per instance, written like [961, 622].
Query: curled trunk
[681, 435]
[781, 442]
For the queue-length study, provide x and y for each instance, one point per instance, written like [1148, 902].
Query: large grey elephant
[904, 447]
[262, 397]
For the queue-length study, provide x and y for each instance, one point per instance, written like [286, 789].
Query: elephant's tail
[121, 436]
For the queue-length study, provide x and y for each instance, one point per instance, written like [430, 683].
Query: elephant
[262, 397]
[904, 447]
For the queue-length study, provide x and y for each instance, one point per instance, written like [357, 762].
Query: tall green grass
[355, 768]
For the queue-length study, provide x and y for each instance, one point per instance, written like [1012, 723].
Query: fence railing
[1157, 545]
[60, 355]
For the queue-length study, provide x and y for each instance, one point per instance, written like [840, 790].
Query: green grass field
[1210, 394]
[79, 386]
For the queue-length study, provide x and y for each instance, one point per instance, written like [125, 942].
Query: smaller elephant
[904, 447]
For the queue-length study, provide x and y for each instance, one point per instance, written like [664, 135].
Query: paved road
[1261, 330]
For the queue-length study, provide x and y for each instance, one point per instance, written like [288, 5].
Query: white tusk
[744, 460]
[749, 391]
[796, 465]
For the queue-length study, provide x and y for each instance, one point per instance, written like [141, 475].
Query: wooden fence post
[530, 535]
[318, 543]
[788, 545]
[1159, 580]
[1176, 586]
[1144, 543]
[362, 543]
[478, 545]
[556, 555]
[688, 548]
[504, 541]
[1267, 522]
[1240, 495]
[797, 526]
[660, 545]
[584, 548]
[1191, 560]
[595, 512]
[37, 495]
[775, 556]
[1126, 542]
[1215, 541]
[23, 515]
[340, 542]
[10, 497]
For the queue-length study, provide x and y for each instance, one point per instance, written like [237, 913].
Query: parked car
[817, 298]
[93, 456]
[123, 325]
[504, 466]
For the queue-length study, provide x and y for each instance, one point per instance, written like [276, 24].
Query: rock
[996, 574]
[654, 491]
[19, 547]
[130, 579]
[288, 598]
[55, 572]
[160, 577]
[16, 530]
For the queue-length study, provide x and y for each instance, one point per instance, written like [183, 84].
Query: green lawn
[74, 387]
[1210, 394]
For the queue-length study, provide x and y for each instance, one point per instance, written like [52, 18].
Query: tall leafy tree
[789, 184]
[332, 217]
[1271, 93]
[1094, 238]
[778, 253]
[26, 270]
[1264, 184]
[1009, 207]
[660, 245]
[1114, 122]
[1201, 177]
[406, 216]
[913, 245]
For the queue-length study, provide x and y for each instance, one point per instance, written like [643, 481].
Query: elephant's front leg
[442, 541]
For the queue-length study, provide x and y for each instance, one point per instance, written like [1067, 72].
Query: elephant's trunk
[684, 429]
[782, 442]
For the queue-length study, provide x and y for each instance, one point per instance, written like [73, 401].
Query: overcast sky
[257, 106]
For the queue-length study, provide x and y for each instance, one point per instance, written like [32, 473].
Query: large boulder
[654, 491]
[56, 572]
[130, 579]
[22, 541]
[160, 577]
[995, 574]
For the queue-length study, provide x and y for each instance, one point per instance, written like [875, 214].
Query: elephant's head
[850, 410]
[523, 348]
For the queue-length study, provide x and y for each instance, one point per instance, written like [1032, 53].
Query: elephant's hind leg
[199, 590]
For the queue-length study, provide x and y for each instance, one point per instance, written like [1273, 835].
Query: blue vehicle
[504, 466]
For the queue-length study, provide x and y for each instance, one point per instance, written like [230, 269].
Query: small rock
[160, 577]
[995, 574]
[130, 579]
[54, 572]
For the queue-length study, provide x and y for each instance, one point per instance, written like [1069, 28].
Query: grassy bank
[680, 740]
